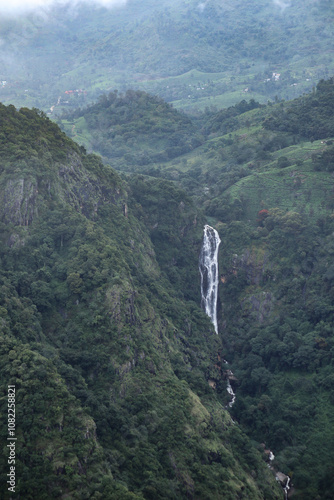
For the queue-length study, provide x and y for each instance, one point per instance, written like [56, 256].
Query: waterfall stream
[208, 267]
[231, 392]
[286, 488]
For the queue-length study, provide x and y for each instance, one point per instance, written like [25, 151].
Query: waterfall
[231, 392]
[286, 488]
[208, 267]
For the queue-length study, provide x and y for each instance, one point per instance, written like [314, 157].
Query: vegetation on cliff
[102, 334]
[120, 379]
[263, 175]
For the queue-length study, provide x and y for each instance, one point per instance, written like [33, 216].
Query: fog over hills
[194, 54]
[18, 7]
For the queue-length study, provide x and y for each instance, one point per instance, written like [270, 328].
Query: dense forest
[102, 334]
[134, 128]
[263, 177]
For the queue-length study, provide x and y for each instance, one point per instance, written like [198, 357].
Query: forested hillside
[133, 129]
[276, 293]
[263, 177]
[102, 334]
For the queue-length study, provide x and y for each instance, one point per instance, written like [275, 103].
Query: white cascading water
[208, 267]
[286, 488]
[232, 393]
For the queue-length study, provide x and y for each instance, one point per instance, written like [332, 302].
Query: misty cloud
[201, 6]
[280, 3]
[22, 6]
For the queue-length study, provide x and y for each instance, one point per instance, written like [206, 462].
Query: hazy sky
[281, 3]
[17, 6]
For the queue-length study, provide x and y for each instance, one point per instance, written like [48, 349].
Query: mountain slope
[108, 350]
[133, 129]
[263, 175]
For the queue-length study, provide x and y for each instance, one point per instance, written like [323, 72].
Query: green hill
[133, 129]
[234, 162]
[102, 334]
[263, 176]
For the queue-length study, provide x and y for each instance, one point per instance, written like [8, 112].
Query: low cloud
[24, 6]
[282, 4]
[201, 6]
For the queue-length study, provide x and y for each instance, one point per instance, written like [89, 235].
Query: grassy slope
[242, 164]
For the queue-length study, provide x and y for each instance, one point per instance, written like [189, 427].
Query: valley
[260, 179]
[190, 56]
[166, 204]
[110, 257]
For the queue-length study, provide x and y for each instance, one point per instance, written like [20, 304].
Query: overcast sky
[17, 6]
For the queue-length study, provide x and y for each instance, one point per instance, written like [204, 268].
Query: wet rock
[282, 478]
[19, 202]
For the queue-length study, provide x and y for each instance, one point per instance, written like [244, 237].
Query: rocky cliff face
[19, 201]
[250, 273]
[70, 183]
